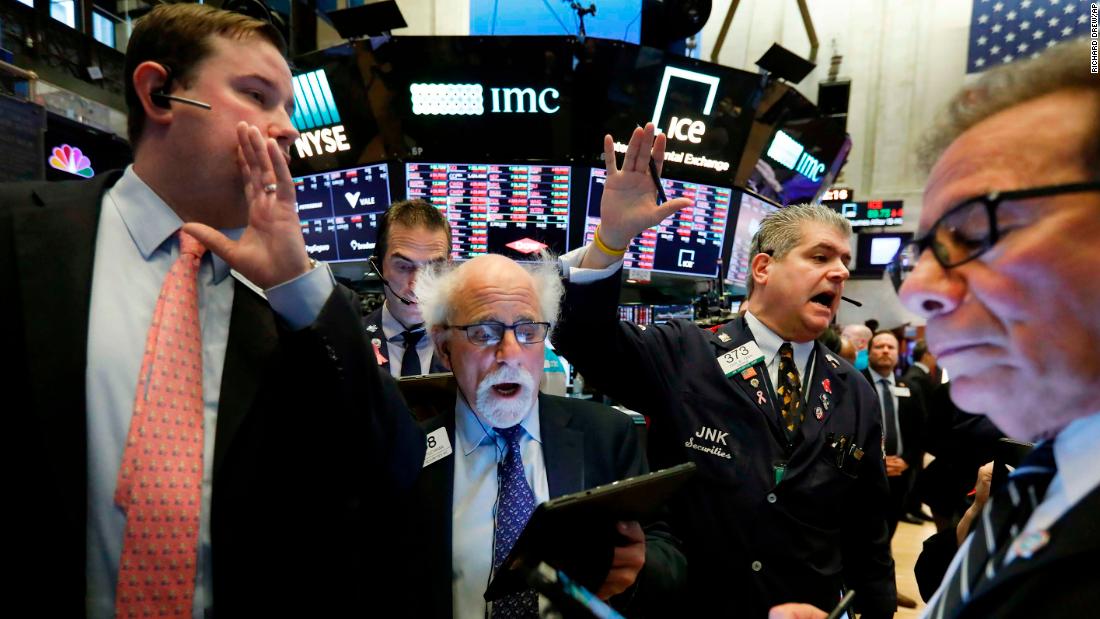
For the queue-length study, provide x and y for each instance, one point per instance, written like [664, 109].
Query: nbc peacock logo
[69, 159]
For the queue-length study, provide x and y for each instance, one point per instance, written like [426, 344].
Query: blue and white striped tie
[1001, 521]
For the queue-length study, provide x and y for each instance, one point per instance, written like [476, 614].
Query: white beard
[505, 413]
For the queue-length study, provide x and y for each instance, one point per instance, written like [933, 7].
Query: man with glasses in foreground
[514, 448]
[1005, 272]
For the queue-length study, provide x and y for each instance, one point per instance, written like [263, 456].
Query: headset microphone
[161, 99]
[386, 283]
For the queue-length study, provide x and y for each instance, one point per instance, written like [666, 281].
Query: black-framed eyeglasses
[490, 333]
[969, 229]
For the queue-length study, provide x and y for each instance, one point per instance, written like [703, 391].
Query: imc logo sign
[788, 152]
[470, 100]
[316, 117]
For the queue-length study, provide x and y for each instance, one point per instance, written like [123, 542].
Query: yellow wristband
[600, 245]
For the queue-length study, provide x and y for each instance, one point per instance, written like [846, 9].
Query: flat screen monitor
[517, 210]
[753, 210]
[339, 211]
[875, 251]
[688, 242]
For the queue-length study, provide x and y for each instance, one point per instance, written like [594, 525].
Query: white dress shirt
[878, 378]
[478, 450]
[395, 343]
[135, 247]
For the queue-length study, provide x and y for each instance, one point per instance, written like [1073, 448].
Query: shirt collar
[769, 343]
[922, 366]
[150, 222]
[1075, 453]
[474, 432]
[878, 377]
[392, 328]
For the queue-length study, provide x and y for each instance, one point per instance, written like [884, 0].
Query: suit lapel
[436, 505]
[760, 397]
[824, 374]
[562, 449]
[253, 338]
[1076, 533]
[54, 253]
[373, 325]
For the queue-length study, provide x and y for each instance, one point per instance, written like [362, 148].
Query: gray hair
[438, 284]
[781, 231]
[1062, 67]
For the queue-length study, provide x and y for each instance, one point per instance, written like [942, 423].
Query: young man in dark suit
[508, 448]
[190, 441]
[791, 496]
[411, 234]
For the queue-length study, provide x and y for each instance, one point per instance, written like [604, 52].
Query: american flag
[1005, 30]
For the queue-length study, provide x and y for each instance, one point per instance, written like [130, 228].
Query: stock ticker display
[339, 211]
[687, 243]
[516, 210]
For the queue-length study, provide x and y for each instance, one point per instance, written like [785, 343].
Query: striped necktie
[1001, 521]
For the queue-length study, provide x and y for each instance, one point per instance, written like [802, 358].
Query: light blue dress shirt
[878, 378]
[135, 247]
[478, 449]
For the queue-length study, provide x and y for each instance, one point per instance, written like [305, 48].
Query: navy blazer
[313, 443]
[584, 445]
[372, 322]
[752, 542]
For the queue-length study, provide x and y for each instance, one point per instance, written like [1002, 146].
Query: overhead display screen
[872, 213]
[516, 210]
[688, 242]
[753, 210]
[339, 211]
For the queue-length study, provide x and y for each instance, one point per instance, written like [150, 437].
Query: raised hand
[271, 250]
[629, 203]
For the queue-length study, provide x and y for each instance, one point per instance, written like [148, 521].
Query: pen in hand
[843, 605]
[661, 199]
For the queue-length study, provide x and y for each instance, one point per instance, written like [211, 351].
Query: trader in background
[411, 234]
[1004, 272]
[188, 442]
[791, 498]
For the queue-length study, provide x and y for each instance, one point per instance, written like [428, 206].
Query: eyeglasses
[490, 333]
[969, 229]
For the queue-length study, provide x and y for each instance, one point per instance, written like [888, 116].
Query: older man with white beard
[506, 448]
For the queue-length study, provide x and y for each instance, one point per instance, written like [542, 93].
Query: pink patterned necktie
[160, 481]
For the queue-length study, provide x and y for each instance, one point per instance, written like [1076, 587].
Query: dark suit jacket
[312, 440]
[374, 319]
[1059, 580]
[751, 542]
[583, 445]
[911, 415]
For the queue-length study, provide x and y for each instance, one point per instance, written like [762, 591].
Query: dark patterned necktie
[515, 503]
[890, 419]
[1001, 521]
[789, 389]
[410, 361]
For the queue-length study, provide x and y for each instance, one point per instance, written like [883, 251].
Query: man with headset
[411, 234]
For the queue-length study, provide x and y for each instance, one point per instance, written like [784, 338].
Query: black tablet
[576, 533]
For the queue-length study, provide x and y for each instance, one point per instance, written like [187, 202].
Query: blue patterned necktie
[515, 503]
[1001, 521]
